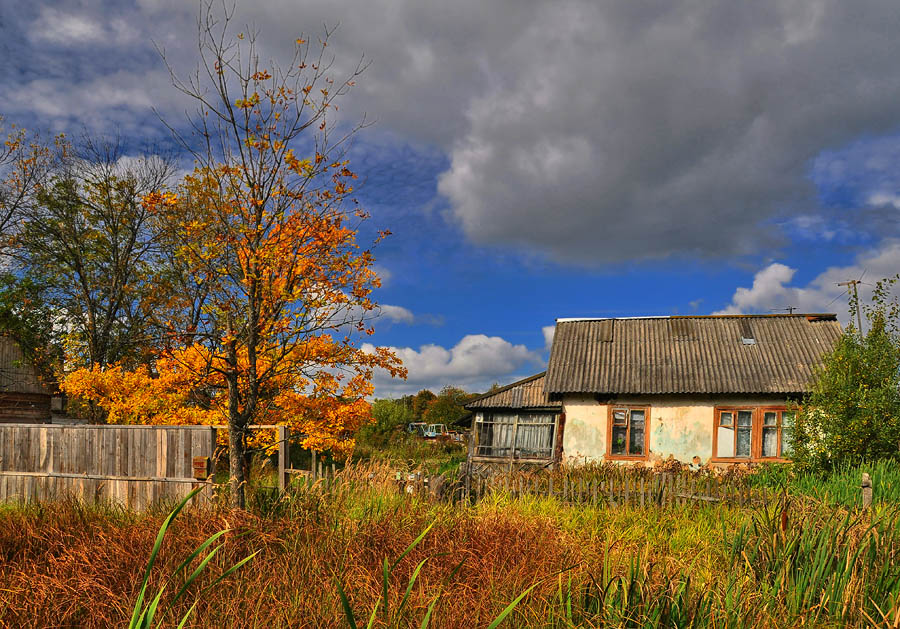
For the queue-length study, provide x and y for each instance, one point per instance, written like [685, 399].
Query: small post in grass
[283, 456]
[866, 487]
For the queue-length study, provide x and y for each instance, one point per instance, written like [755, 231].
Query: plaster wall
[680, 426]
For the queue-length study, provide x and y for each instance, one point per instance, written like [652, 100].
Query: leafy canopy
[852, 413]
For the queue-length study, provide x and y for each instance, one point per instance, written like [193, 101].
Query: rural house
[24, 398]
[705, 389]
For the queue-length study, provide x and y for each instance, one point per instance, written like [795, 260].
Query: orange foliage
[185, 387]
[277, 290]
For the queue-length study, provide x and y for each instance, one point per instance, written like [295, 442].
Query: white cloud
[474, 363]
[884, 198]
[549, 331]
[397, 314]
[772, 287]
[57, 27]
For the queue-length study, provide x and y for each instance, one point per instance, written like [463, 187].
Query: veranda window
[515, 435]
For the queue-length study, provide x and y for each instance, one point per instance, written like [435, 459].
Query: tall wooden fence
[133, 465]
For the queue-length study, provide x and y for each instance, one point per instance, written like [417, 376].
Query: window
[750, 434]
[515, 435]
[776, 433]
[628, 434]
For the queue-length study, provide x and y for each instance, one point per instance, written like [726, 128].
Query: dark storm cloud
[590, 132]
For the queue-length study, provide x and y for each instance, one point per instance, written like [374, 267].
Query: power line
[852, 284]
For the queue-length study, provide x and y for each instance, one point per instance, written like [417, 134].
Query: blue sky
[537, 160]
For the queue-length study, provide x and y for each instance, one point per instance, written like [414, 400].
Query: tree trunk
[236, 464]
[237, 423]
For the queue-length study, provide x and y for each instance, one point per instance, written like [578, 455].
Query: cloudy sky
[537, 160]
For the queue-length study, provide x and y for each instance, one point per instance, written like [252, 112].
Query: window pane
[786, 436]
[744, 418]
[636, 447]
[770, 441]
[787, 418]
[620, 418]
[770, 418]
[619, 434]
[725, 442]
[534, 435]
[743, 441]
[726, 419]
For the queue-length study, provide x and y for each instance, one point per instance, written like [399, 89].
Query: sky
[537, 160]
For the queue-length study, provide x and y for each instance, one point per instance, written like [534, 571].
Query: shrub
[852, 413]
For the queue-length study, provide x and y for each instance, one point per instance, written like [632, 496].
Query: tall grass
[793, 562]
[838, 488]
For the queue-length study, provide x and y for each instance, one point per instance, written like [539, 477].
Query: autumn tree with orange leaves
[270, 290]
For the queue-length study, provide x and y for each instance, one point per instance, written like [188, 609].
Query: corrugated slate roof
[711, 354]
[526, 393]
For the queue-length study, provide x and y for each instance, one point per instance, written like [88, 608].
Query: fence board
[618, 488]
[134, 465]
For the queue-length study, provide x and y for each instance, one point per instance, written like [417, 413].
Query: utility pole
[789, 309]
[852, 284]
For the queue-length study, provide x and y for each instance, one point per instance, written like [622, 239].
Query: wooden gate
[132, 465]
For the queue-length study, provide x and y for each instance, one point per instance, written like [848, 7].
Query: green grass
[840, 487]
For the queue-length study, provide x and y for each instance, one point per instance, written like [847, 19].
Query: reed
[794, 561]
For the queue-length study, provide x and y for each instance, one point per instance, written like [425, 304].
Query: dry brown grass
[67, 565]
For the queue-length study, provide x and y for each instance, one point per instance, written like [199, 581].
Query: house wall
[680, 426]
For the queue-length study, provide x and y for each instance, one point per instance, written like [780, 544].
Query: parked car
[435, 430]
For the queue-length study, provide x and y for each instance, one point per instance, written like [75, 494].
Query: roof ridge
[506, 387]
[806, 315]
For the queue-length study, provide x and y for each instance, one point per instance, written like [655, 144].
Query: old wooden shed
[24, 397]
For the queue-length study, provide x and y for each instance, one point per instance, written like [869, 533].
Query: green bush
[852, 413]
[391, 418]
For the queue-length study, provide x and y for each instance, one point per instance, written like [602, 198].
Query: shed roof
[526, 393]
[710, 354]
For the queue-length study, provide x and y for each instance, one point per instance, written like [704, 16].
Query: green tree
[447, 407]
[391, 417]
[420, 402]
[852, 413]
[92, 246]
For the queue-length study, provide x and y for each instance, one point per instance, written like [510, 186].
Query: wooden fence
[132, 465]
[608, 490]
[620, 489]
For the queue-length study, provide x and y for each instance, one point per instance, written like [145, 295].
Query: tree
[90, 243]
[268, 235]
[852, 413]
[24, 164]
[390, 416]
[447, 408]
[420, 402]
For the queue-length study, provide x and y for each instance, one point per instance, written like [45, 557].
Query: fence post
[866, 487]
[283, 454]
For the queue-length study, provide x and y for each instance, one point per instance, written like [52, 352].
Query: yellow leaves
[300, 42]
[261, 75]
[247, 103]
[302, 167]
